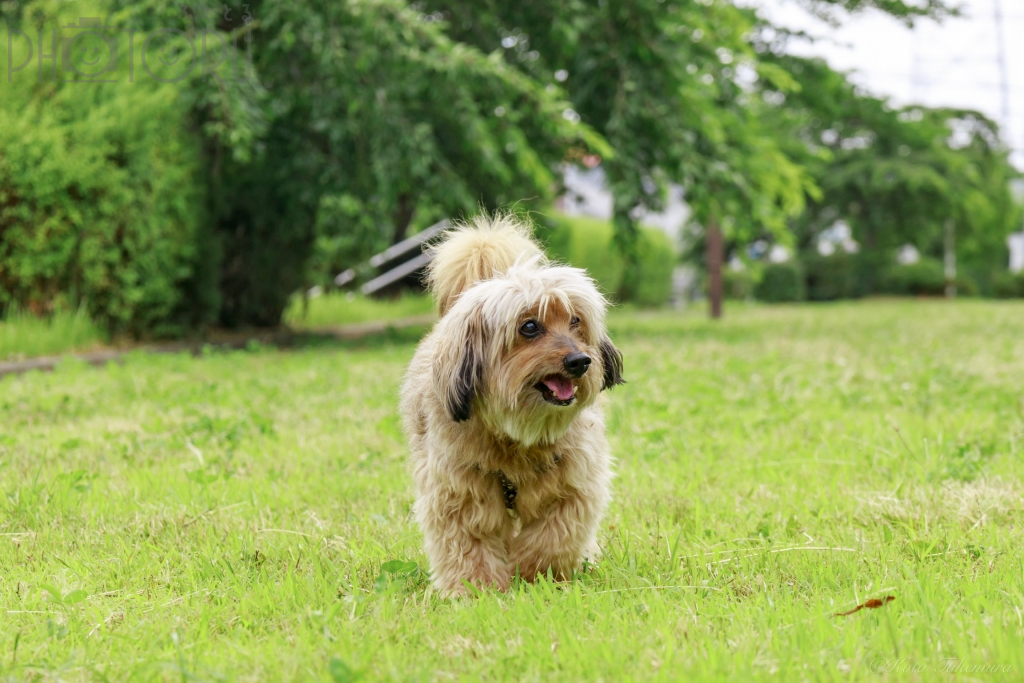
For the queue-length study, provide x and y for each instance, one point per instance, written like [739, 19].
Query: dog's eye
[530, 329]
[575, 322]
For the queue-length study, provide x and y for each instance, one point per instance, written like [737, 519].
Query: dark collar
[508, 489]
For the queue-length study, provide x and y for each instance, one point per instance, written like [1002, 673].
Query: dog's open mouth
[557, 390]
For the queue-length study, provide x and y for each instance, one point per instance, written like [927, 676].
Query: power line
[953, 63]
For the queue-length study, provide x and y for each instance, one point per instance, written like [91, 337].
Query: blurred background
[167, 170]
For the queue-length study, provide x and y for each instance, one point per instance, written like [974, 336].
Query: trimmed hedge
[848, 276]
[101, 203]
[102, 197]
[833, 277]
[966, 286]
[651, 283]
[738, 285]
[927, 277]
[781, 282]
[588, 243]
[1007, 285]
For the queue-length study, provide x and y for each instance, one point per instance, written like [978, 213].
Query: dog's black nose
[576, 364]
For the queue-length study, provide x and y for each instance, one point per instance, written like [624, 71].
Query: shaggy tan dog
[500, 405]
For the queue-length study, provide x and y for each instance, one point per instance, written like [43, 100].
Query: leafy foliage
[837, 276]
[895, 176]
[1007, 285]
[101, 195]
[171, 205]
[659, 81]
[781, 282]
[590, 243]
[924, 278]
[360, 122]
[738, 284]
[378, 121]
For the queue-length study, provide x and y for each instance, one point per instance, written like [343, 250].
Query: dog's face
[550, 359]
[526, 351]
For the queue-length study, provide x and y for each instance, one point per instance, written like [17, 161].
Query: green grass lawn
[339, 309]
[27, 336]
[24, 336]
[228, 517]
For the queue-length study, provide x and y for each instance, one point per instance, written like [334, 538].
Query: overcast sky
[949, 64]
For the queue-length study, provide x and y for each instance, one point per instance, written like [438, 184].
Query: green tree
[908, 12]
[364, 119]
[665, 82]
[393, 121]
[660, 81]
[895, 175]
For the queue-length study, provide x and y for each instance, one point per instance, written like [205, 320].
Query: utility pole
[715, 258]
[950, 260]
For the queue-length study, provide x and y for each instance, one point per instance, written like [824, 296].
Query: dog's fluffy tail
[480, 250]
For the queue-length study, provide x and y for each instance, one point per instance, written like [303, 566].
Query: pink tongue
[561, 387]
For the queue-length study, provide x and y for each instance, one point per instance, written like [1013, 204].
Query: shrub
[927, 277]
[832, 277]
[588, 243]
[966, 285]
[104, 209]
[650, 284]
[1007, 285]
[267, 237]
[101, 198]
[738, 284]
[781, 282]
[392, 122]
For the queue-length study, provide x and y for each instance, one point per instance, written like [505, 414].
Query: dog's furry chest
[529, 478]
[522, 465]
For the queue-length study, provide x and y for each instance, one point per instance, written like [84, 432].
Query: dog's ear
[459, 365]
[611, 361]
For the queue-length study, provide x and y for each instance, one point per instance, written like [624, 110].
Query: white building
[1016, 244]
[586, 194]
[835, 237]
[907, 255]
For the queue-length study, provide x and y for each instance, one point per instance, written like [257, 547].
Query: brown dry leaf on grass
[873, 603]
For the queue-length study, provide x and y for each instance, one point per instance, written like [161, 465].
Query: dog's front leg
[560, 538]
[464, 525]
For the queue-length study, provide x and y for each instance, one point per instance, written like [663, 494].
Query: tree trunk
[403, 216]
[715, 257]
